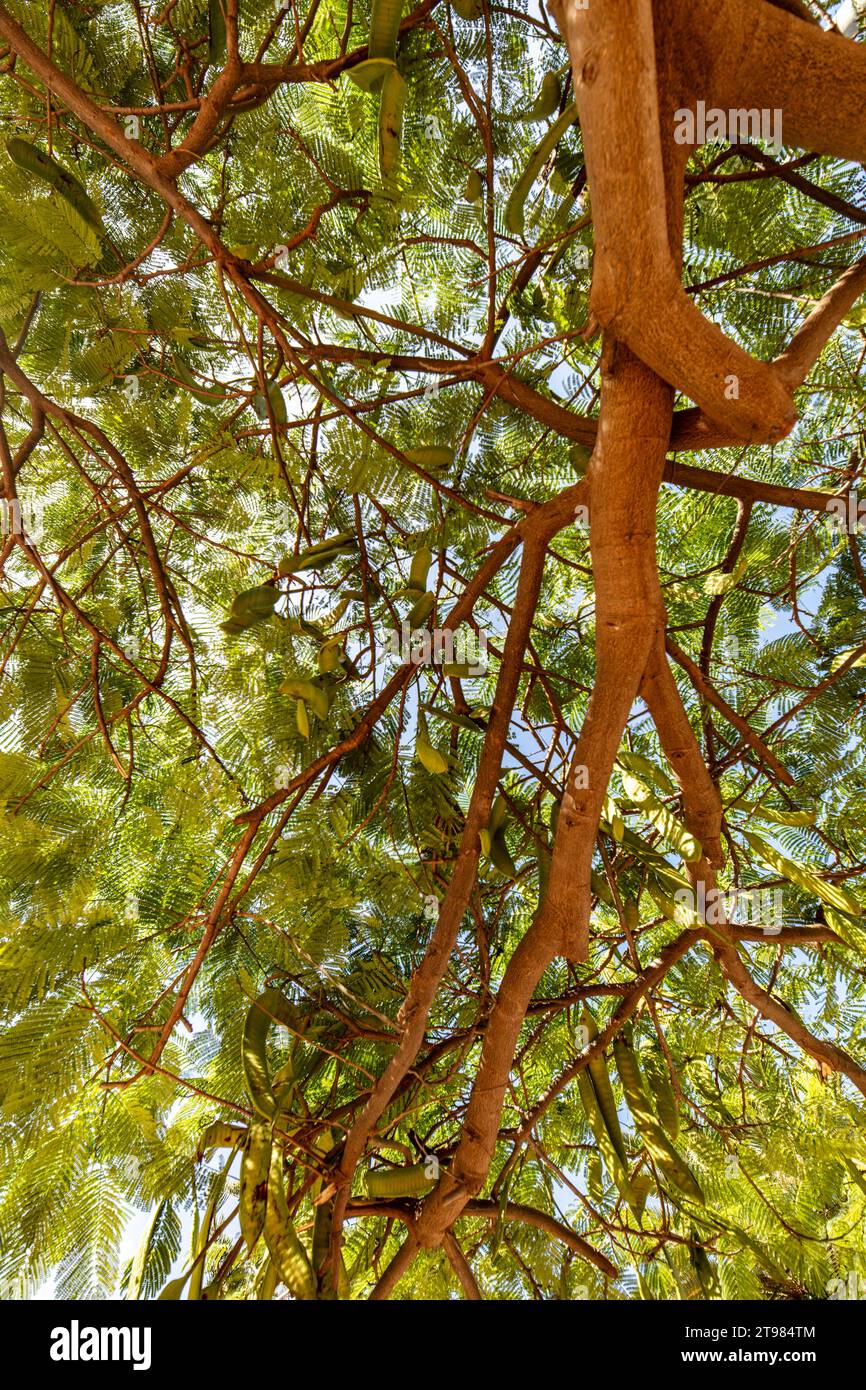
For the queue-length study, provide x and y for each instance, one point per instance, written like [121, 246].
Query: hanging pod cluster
[324, 552]
[493, 843]
[658, 1144]
[257, 604]
[596, 1094]
[657, 1126]
[263, 1207]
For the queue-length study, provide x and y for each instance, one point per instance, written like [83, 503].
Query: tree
[338, 345]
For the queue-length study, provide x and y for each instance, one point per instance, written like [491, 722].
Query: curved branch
[637, 292]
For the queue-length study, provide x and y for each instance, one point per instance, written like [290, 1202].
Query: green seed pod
[514, 210]
[474, 190]
[604, 1093]
[546, 101]
[286, 1251]
[421, 610]
[384, 28]
[659, 1147]
[255, 1167]
[277, 404]
[42, 166]
[411, 1181]
[370, 74]
[613, 1163]
[421, 562]
[433, 458]
[391, 105]
[270, 1007]
[216, 31]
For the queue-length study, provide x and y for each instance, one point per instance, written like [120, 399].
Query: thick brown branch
[637, 292]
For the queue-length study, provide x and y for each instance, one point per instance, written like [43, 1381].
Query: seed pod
[514, 210]
[330, 653]
[613, 1163]
[604, 1093]
[660, 1149]
[546, 101]
[302, 719]
[421, 610]
[216, 50]
[42, 166]
[429, 757]
[313, 693]
[421, 562]
[433, 458]
[270, 1007]
[268, 1281]
[251, 606]
[498, 815]
[218, 1135]
[658, 815]
[277, 403]
[319, 555]
[206, 394]
[704, 1268]
[474, 190]
[384, 28]
[255, 1167]
[286, 1251]
[370, 74]
[662, 1093]
[500, 857]
[391, 105]
[594, 1181]
[411, 1181]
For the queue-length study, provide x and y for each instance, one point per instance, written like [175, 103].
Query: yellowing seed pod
[421, 610]
[286, 1251]
[384, 28]
[411, 1181]
[391, 105]
[302, 719]
[255, 1167]
[474, 190]
[429, 757]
